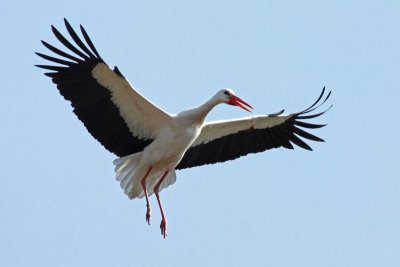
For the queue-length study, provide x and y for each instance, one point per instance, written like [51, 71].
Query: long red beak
[235, 101]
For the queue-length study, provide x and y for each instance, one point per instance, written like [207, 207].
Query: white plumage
[150, 143]
[125, 169]
[142, 117]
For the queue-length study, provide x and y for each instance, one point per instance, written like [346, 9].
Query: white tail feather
[153, 180]
[125, 169]
[170, 179]
[130, 176]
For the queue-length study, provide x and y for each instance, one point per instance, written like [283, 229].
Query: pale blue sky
[336, 206]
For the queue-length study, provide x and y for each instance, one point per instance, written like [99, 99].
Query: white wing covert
[220, 141]
[121, 119]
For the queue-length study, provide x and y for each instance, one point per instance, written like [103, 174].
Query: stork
[151, 143]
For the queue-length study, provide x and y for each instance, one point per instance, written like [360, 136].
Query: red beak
[235, 101]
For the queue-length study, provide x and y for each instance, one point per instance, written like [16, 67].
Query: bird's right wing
[220, 141]
[121, 119]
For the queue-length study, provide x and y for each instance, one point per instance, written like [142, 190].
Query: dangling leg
[163, 225]
[148, 213]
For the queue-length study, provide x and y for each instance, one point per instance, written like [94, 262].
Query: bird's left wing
[121, 119]
[220, 141]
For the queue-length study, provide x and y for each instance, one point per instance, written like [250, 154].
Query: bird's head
[227, 96]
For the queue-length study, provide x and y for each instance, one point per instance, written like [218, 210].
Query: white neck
[196, 116]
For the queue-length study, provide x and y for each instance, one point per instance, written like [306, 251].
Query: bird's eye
[226, 93]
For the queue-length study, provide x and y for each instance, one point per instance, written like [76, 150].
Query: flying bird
[151, 143]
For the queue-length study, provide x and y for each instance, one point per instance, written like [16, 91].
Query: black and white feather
[143, 135]
[225, 140]
[121, 119]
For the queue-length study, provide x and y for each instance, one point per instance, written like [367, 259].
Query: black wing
[104, 103]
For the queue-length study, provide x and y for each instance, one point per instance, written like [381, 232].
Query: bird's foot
[163, 227]
[148, 214]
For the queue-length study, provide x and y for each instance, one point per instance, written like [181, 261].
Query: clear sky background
[336, 206]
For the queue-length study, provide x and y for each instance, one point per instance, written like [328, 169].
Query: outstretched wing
[121, 119]
[220, 141]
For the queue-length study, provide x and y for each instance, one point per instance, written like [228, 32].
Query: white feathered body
[163, 154]
[125, 122]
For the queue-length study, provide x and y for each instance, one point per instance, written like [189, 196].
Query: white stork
[151, 143]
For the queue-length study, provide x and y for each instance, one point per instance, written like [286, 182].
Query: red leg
[163, 225]
[148, 213]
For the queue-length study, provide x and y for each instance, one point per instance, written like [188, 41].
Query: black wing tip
[276, 113]
[90, 43]
[303, 115]
[54, 30]
[65, 22]
[314, 106]
[75, 51]
[118, 72]
[42, 66]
